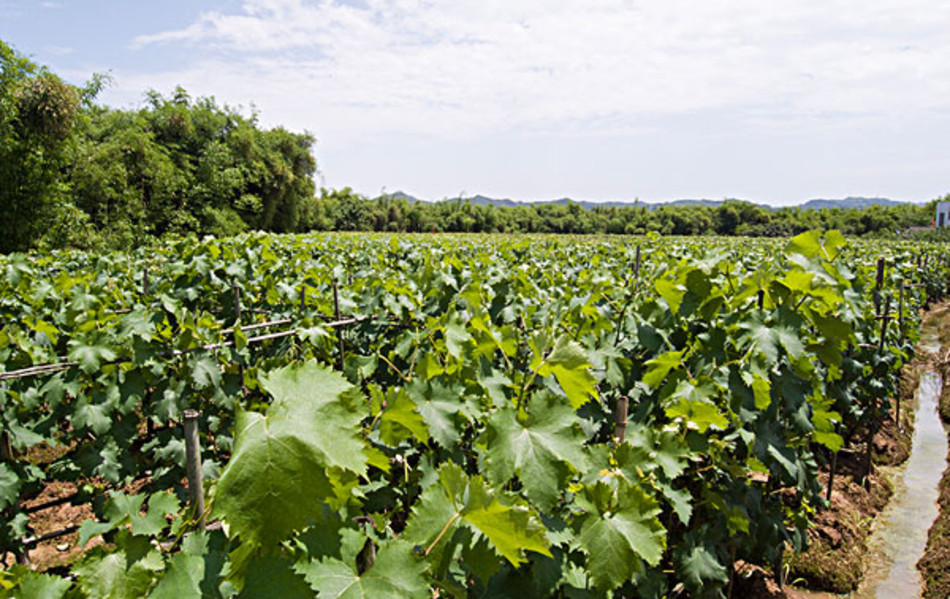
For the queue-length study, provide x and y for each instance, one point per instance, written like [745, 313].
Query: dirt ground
[61, 550]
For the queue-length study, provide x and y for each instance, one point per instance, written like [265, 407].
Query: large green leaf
[541, 448]
[33, 585]
[616, 539]
[660, 366]
[396, 572]
[458, 500]
[443, 407]
[117, 575]
[9, 486]
[277, 477]
[400, 420]
[194, 572]
[569, 364]
[89, 356]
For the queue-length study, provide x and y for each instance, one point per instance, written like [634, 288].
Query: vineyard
[399, 416]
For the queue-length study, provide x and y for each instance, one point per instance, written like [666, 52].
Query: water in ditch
[902, 533]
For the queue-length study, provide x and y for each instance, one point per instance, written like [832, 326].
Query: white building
[942, 218]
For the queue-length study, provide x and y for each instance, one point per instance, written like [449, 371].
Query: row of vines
[384, 416]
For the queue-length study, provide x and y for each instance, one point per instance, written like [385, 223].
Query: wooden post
[831, 476]
[872, 422]
[779, 568]
[6, 448]
[623, 404]
[878, 284]
[196, 495]
[21, 553]
[900, 330]
[303, 297]
[336, 313]
[636, 270]
[145, 280]
[900, 312]
[761, 299]
[237, 304]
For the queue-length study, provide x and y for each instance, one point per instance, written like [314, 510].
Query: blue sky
[777, 101]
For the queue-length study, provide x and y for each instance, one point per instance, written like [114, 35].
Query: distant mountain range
[814, 204]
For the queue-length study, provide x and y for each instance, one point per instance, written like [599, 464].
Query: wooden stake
[872, 422]
[145, 280]
[779, 567]
[636, 270]
[623, 404]
[237, 304]
[6, 449]
[196, 495]
[336, 311]
[831, 476]
[878, 283]
[900, 312]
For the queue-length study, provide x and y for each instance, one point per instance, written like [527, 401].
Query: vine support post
[620, 418]
[872, 421]
[900, 331]
[6, 448]
[831, 475]
[237, 304]
[337, 316]
[878, 284]
[636, 270]
[900, 311]
[21, 553]
[303, 297]
[196, 495]
[779, 567]
[145, 280]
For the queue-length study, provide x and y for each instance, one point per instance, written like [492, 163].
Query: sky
[775, 102]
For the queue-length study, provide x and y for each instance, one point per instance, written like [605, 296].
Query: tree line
[344, 210]
[74, 173]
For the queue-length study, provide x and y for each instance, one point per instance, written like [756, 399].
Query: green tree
[37, 116]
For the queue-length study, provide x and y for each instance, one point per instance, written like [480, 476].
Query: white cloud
[462, 67]
[799, 74]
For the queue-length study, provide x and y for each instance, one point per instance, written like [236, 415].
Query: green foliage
[278, 476]
[344, 210]
[37, 118]
[469, 445]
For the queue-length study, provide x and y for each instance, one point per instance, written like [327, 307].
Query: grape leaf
[615, 540]
[276, 479]
[462, 501]
[395, 573]
[9, 486]
[400, 421]
[540, 449]
[660, 366]
[89, 356]
[41, 586]
[117, 575]
[569, 364]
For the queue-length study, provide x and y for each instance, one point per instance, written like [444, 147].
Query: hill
[813, 204]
